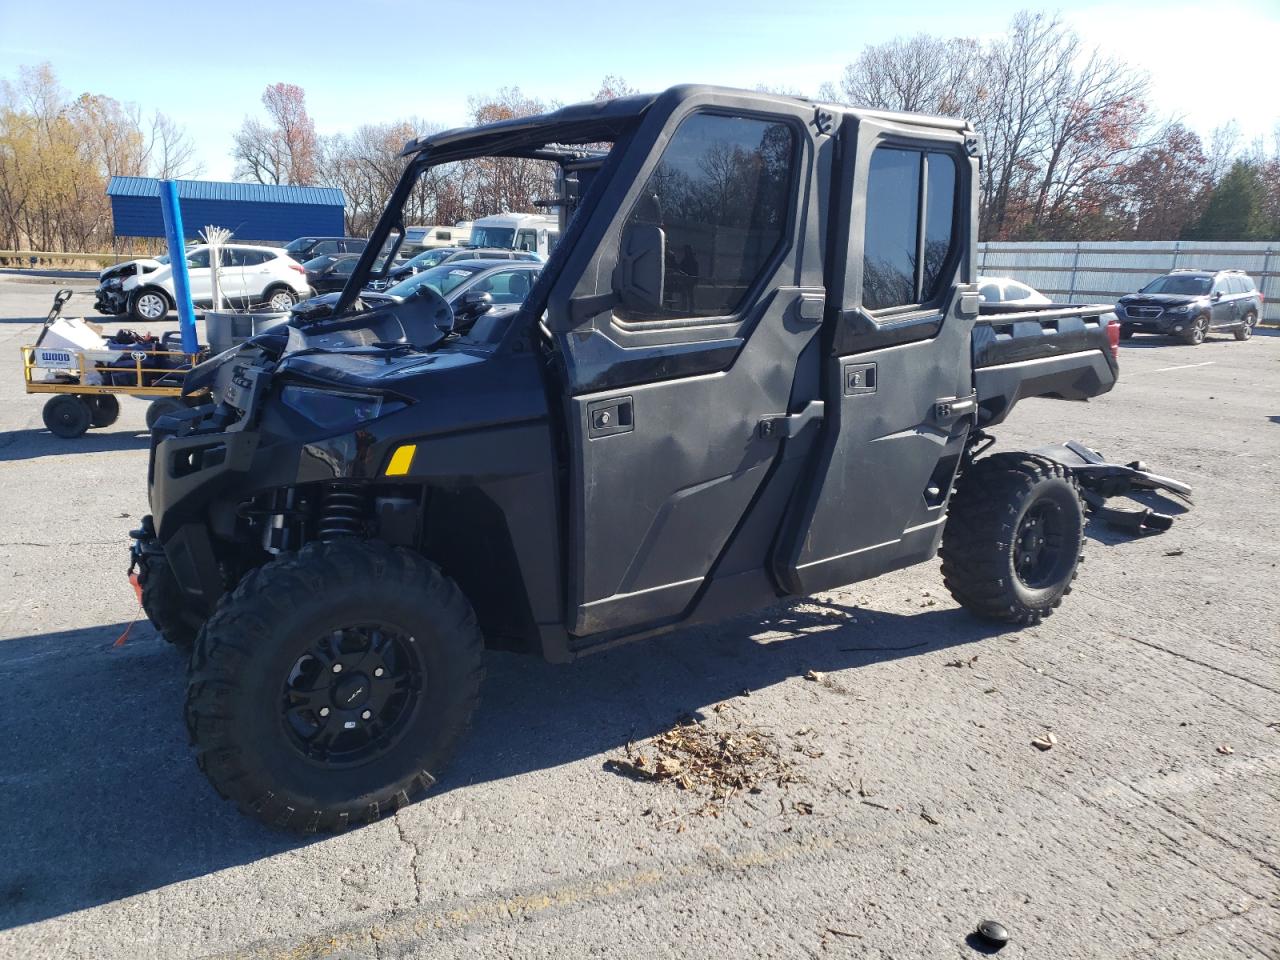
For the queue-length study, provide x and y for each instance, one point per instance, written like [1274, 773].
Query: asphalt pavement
[915, 804]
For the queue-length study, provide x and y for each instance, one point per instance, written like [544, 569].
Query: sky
[378, 60]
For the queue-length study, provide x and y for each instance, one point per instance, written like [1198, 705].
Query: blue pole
[178, 262]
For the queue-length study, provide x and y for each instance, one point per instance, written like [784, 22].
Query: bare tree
[613, 87]
[1224, 145]
[508, 183]
[923, 74]
[170, 154]
[1157, 209]
[283, 151]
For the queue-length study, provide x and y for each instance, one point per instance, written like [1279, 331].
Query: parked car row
[248, 276]
[276, 278]
[1187, 303]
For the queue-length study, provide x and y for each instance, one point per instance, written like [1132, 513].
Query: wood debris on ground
[716, 763]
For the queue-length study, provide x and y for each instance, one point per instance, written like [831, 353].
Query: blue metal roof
[252, 211]
[218, 190]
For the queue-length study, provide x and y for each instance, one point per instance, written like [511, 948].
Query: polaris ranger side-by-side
[753, 368]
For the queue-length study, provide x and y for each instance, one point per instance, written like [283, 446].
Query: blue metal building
[252, 211]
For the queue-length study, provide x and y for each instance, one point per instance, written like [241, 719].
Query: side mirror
[475, 303]
[1216, 295]
[641, 272]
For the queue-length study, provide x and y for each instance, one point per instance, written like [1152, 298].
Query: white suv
[247, 276]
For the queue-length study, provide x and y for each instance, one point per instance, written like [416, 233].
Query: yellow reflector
[401, 460]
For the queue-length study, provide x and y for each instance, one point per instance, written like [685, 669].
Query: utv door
[680, 319]
[897, 378]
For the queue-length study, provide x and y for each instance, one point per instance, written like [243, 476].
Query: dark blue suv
[1187, 304]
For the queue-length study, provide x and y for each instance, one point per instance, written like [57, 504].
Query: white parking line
[1187, 366]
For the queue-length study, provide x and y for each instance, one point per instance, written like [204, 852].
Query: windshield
[430, 258]
[319, 263]
[1179, 284]
[163, 258]
[293, 246]
[442, 279]
[493, 237]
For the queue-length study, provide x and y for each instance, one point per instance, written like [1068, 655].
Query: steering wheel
[425, 305]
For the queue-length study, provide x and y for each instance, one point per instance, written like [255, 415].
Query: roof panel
[221, 190]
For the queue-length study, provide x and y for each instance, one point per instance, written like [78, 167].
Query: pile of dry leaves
[714, 762]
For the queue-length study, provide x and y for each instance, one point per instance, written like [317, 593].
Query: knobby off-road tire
[165, 606]
[1015, 529]
[338, 634]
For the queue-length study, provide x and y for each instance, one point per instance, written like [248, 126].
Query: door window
[1236, 285]
[507, 286]
[199, 259]
[324, 246]
[722, 195]
[527, 240]
[236, 257]
[344, 267]
[910, 227]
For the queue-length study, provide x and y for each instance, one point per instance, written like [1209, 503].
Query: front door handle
[789, 425]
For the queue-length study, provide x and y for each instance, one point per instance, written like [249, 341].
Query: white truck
[533, 232]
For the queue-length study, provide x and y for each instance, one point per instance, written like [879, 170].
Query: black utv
[754, 368]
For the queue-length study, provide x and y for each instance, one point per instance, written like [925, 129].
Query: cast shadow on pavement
[103, 799]
[36, 442]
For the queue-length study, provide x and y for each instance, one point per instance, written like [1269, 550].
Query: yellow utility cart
[86, 378]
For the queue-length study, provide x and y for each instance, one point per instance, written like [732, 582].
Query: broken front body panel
[750, 369]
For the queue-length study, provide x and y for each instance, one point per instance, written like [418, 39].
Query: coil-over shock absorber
[343, 510]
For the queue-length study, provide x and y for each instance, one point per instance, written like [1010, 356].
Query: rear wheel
[67, 415]
[333, 685]
[1198, 330]
[104, 410]
[1245, 330]
[1014, 533]
[281, 299]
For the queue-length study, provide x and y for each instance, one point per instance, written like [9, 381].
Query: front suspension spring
[342, 513]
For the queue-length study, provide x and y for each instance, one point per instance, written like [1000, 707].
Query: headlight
[328, 408]
[1182, 309]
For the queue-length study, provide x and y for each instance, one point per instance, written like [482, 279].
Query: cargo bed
[1064, 351]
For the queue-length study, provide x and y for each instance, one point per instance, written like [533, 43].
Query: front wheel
[1197, 332]
[1015, 529]
[164, 603]
[1245, 330]
[148, 306]
[68, 415]
[332, 686]
[1126, 331]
